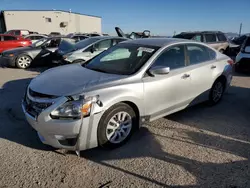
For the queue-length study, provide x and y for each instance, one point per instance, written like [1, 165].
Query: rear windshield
[85, 43]
[67, 45]
[185, 36]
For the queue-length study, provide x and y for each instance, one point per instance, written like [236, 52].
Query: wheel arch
[222, 78]
[24, 54]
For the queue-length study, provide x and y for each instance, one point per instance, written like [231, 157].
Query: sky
[161, 17]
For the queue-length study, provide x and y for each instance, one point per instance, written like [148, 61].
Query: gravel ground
[198, 147]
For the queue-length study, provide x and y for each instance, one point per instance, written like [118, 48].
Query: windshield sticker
[144, 49]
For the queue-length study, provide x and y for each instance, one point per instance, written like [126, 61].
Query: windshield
[124, 58]
[40, 42]
[85, 43]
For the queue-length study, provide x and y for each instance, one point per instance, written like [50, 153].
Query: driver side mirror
[43, 47]
[159, 70]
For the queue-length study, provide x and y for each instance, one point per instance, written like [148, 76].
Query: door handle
[185, 76]
[213, 67]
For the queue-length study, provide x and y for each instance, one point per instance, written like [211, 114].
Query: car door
[164, 94]
[1, 44]
[9, 42]
[202, 69]
[46, 54]
[211, 40]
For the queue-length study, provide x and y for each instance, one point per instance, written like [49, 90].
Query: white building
[46, 21]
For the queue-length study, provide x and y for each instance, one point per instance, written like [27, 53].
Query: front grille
[35, 108]
[41, 95]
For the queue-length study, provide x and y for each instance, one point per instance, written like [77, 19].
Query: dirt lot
[198, 147]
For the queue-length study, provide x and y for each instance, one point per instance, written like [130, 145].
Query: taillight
[230, 62]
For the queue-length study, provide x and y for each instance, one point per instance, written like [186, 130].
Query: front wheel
[116, 126]
[23, 61]
[216, 92]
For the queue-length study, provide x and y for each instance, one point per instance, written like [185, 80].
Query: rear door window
[221, 37]
[18, 33]
[198, 38]
[8, 38]
[199, 54]
[210, 37]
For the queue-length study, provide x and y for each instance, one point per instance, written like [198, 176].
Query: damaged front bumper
[70, 134]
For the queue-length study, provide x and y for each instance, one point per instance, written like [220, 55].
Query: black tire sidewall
[22, 55]
[101, 131]
[211, 101]
[78, 61]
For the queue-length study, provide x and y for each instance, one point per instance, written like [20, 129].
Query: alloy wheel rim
[119, 127]
[24, 61]
[217, 92]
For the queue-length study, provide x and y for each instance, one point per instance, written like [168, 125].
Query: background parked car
[86, 49]
[10, 41]
[215, 39]
[79, 37]
[18, 32]
[38, 53]
[243, 58]
[34, 37]
[54, 34]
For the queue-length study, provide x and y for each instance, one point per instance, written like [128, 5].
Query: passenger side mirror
[159, 70]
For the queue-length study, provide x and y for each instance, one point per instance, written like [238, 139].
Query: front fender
[132, 93]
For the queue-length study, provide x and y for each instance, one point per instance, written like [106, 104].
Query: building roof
[54, 11]
[160, 42]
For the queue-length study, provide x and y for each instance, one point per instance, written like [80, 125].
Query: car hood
[70, 80]
[18, 50]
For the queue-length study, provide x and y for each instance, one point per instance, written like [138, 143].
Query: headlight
[74, 109]
[9, 55]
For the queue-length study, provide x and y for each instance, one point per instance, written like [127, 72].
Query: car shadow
[230, 117]
[13, 126]
[145, 144]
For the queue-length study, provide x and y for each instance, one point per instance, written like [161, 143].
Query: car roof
[195, 32]
[160, 42]
[108, 37]
[35, 35]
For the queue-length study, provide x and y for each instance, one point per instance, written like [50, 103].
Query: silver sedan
[104, 101]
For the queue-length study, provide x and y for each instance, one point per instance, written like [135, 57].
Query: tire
[111, 135]
[218, 89]
[23, 61]
[78, 61]
[222, 51]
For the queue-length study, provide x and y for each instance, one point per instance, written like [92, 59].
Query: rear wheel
[116, 126]
[23, 61]
[216, 92]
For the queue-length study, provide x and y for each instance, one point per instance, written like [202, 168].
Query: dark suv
[215, 39]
